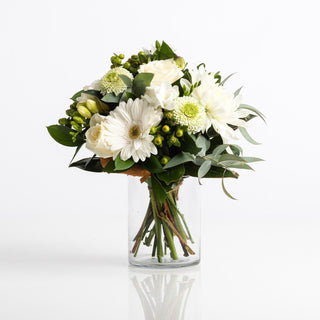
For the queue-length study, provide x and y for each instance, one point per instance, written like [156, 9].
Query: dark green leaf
[126, 80]
[152, 164]
[188, 144]
[130, 95]
[77, 150]
[171, 175]
[165, 52]
[159, 192]
[140, 82]
[179, 159]
[111, 98]
[110, 167]
[121, 165]
[76, 95]
[88, 164]
[217, 76]
[62, 135]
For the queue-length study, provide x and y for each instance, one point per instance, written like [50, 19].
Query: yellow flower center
[134, 132]
[190, 110]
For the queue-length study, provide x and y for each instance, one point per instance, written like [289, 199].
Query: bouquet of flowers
[153, 117]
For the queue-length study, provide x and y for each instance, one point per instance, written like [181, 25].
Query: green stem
[177, 221]
[157, 224]
[182, 217]
[170, 242]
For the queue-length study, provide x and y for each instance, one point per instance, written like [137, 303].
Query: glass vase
[164, 232]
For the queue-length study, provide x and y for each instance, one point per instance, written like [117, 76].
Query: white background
[63, 231]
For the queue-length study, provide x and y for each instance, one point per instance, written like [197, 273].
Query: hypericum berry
[153, 130]
[158, 141]
[121, 56]
[166, 128]
[164, 160]
[179, 133]
[127, 65]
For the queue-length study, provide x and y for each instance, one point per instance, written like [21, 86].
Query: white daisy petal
[128, 127]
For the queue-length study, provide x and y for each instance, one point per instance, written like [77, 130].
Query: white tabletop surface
[262, 270]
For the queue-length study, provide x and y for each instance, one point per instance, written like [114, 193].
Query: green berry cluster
[166, 136]
[116, 60]
[132, 64]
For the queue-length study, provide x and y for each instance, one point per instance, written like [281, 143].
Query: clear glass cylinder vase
[164, 232]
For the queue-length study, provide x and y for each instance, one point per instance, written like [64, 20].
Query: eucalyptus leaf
[204, 168]
[179, 159]
[219, 149]
[214, 172]
[253, 109]
[228, 157]
[225, 190]
[236, 93]
[111, 98]
[126, 80]
[235, 164]
[237, 150]
[228, 77]
[251, 159]
[202, 143]
[246, 135]
[140, 82]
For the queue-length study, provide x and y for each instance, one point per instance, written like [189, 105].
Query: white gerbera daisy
[111, 82]
[189, 112]
[128, 128]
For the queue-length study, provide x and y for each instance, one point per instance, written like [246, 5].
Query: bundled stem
[161, 224]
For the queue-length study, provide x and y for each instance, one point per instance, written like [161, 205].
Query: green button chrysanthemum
[190, 113]
[111, 82]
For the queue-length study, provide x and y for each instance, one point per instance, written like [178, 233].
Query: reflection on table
[164, 294]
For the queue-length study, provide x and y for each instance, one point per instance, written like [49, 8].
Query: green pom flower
[111, 82]
[190, 113]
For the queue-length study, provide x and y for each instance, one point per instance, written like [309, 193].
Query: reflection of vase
[164, 232]
[163, 295]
